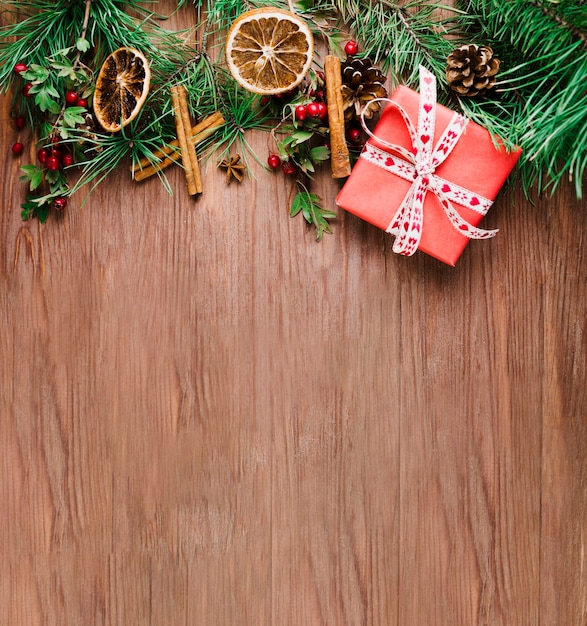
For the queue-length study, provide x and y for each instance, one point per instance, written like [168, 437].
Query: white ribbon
[419, 168]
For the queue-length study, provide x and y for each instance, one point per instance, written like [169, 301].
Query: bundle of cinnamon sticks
[183, 147]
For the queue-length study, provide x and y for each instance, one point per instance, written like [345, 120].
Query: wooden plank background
[207, 418]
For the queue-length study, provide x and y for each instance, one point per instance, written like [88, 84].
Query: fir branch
[399, 37]
[567, 19]
[542, 86]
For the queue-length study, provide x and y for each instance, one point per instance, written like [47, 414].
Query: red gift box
[427, 175]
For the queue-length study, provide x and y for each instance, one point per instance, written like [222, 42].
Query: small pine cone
[361, 83]
[471, 70]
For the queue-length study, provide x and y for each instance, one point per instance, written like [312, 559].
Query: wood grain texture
[209, 418]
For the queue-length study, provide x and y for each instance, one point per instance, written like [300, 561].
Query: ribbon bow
[419, 168]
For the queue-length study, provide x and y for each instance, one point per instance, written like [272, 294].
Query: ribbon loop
[419, 167]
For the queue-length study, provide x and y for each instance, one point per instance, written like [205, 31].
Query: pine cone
[471, 70]
[361, 83]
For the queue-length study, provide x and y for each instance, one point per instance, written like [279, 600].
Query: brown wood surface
[208, 418]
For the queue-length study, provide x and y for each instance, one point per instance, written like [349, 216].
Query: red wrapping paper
[475, 163]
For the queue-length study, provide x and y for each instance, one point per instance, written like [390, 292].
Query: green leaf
[33, 175]
[320, 153]
[72, 116]
[36, 74]
[82, 44]
[300, 136]
[28, 210]
[42, 212]
[309, 204]
[53, 176]
[306, 165]
[66, 71]
[45, 99]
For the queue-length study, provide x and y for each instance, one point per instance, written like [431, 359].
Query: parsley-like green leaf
[72, 116]
[319, 153]
[45, 98]
[309, 204]
[82, 44]
[33, 175]
[36, 73]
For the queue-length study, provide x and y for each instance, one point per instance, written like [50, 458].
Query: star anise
[234, 168]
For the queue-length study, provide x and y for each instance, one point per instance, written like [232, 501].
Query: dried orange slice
[121, 88]
[269, 50]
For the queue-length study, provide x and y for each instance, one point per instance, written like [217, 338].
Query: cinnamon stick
[183, 126]
[169, 154]
[339, 152]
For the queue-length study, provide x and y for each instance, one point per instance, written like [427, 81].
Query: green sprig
[310, 206]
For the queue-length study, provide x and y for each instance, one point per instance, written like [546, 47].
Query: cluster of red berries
[71, 97]
[54, 158]
[274, 162]
[19, 120]
[313, 110]
[354, 135]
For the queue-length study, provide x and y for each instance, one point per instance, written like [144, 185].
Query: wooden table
[208, 418]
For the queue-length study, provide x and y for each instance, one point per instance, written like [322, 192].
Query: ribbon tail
[460, 224]
[407, 222]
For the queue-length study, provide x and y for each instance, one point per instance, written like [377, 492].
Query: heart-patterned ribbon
[419, 168]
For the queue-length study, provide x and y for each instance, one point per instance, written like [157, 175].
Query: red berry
[264, 101]
[288, 168]
[82, 102]
[67, 159]
[301, 112]
[273, 161]
[26, 90]
[42, 155]
[20, 121]
[354, 135]
[60, 203]
[19, 68]
[17, 148]
[71, 98]
[351, 48]
[52, 163]
[322, 110]
[313, 109]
